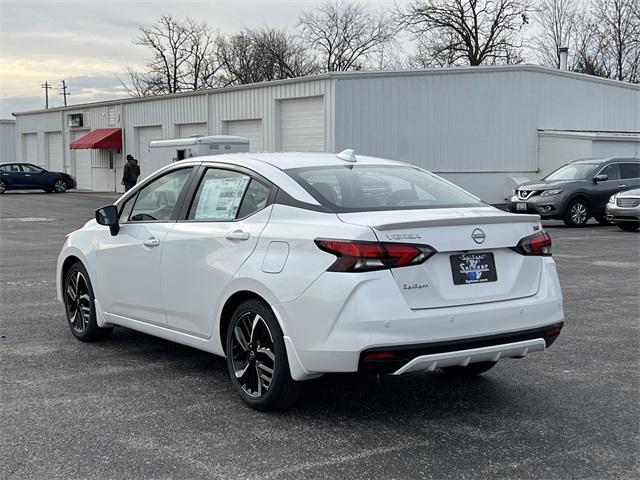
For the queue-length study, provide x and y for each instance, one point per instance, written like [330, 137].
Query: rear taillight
[366, 256]
[536, 244]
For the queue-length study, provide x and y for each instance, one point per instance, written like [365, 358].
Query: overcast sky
[88, 43]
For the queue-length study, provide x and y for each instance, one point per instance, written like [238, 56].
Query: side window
[630, 170]
[5, 168]
[613, 171]
[255, 199]
[14, 168]
[29, 168]
[125, 210]
[219, 195]
[156, 201]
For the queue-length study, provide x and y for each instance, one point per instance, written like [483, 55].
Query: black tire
[629, 227]
[255, 346]
[469, 370]
[3, 187]
[80, 307]
[59, 186]
[577, 213]
[602, 220]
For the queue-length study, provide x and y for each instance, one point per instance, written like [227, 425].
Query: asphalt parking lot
[139, 407]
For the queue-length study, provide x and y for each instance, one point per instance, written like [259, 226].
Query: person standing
[131, 173]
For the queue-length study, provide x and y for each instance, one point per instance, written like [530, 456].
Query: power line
[47, 87]
[64, 92]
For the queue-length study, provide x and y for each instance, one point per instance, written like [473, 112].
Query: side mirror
[108, 216]
[603, 177]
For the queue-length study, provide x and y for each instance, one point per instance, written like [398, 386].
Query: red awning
[101, 139]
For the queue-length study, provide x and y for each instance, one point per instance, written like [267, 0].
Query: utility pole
[47, 87]
[64, 92]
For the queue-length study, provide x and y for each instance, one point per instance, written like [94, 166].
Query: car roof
[288, 160]
[598, 161]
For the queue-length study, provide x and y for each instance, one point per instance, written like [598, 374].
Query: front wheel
[59, 186]
[80, 306]
[577, 213]
[257, 359]
[469, 370]
[3, 187]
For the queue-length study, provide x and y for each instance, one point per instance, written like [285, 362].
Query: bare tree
[557, 20]
[262, 55]
[618, 28]
[467, 32]
[346, 35]
[182, 57]
[202, 64]
[590, 47]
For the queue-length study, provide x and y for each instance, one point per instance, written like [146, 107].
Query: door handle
[621, 186]
[237, 235]
[151, 242]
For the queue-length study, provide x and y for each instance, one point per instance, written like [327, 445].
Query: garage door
[31, 148]
[82, 159]
[146, 135]
[303, 124]
[54, 152]
[251, 129]
[192, 129]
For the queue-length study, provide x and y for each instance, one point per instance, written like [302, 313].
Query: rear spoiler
[450, 222]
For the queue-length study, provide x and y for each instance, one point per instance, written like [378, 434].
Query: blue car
[25, 176]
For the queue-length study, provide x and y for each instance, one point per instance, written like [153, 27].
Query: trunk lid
[472, 232]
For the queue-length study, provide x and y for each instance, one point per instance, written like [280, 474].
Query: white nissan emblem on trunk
[478, 236]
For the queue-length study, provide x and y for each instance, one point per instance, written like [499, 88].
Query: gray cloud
[88, 43]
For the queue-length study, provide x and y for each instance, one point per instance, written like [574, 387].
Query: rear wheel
[3, 187]
[469, 370]
[80, 306]
[257, 359]
[629, 227]
[59, 186]
[577, 213]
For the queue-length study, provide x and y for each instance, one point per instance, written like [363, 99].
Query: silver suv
[577, 191]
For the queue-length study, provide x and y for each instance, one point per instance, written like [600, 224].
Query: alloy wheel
[78, 302]
[252, 354]
[579, 213]
[60, 186]
[3, 187]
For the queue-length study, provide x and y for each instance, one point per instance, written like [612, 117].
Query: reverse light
[548, 193]
[537, 244]
[367, 256]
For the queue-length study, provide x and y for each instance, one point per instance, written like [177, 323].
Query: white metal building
[7, 141]
[478, 126]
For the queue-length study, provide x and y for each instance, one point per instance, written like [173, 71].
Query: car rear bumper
[430, 356]
[372, 315]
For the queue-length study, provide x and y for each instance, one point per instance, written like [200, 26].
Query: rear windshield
[357, 188]
[573, 171]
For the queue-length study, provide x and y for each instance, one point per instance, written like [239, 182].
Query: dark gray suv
[577, 191]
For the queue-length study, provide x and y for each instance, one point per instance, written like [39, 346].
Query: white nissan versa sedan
[295, 264]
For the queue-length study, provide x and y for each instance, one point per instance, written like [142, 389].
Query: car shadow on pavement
[353, 396]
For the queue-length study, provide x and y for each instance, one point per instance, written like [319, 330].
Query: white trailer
[163, 152]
